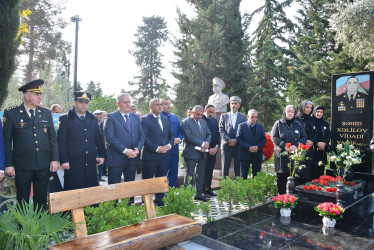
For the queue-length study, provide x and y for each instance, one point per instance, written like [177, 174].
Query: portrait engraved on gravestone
[352, 114]
[219, 100]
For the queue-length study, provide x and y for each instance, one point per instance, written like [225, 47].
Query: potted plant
[330, 212]
[298, 156]
[286, 203]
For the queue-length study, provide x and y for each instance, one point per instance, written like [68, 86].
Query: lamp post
[76, 19]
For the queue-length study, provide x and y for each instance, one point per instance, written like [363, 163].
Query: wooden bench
[153, 233]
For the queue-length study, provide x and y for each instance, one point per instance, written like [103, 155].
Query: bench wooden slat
[78, 218]
[68, 200]
[151, 234]
[149, 205]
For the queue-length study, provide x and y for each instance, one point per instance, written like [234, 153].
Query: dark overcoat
[281, 134]
[80, 142]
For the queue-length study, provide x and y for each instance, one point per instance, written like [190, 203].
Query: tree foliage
[355, 29]
[271, 60]
[9, 42]
[149, 38]
[213, 44]
[44, 40]
[94, 89]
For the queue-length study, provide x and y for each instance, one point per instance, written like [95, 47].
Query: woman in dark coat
[322, 146]
[286, 130]
[305, 117]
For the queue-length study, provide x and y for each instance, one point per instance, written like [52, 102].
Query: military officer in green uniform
[352, 99]
[31, 150]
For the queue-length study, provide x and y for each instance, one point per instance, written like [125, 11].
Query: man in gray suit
[125, 136]
[196, 144]
[228, 126]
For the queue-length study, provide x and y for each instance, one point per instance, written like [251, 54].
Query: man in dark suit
[125, 136]
[159, 139]
[196, 145]
[34, 152]
[251, 139]
[213, 148]
[228, 126]
[81, 144]
[100, 120]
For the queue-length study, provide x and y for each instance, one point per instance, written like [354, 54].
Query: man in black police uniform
[34, 152]
[81, 144]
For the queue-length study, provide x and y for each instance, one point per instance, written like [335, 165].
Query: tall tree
[149, 38]
[213, 44]
[355, 29]
[44, 39]
[9, 42]
[271, 52]
[313, 49]
[94, 89]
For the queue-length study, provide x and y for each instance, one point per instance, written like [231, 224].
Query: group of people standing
[308, 127]
[32, 149]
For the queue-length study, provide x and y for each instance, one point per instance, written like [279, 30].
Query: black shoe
[200, 197]
[211, 193]
[206, 195]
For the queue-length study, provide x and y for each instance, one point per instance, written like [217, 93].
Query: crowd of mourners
[88, 145]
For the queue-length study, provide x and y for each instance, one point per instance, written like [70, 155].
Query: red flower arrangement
[330, 210]
[268, 149]
[327, 183]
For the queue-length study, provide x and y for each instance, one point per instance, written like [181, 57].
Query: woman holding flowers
[304, 116]
[286, 135]
[322, 145]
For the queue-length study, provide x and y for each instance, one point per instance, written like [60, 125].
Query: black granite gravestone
[352, 114]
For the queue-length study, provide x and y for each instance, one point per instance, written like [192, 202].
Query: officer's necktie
[32, 115]
[128, 122]
[82, 117]
[351, 97]
[159, 124]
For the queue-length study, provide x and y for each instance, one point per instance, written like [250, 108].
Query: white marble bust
[219, 100]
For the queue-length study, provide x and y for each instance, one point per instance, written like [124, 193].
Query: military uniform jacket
[34, 144]
[80, 142]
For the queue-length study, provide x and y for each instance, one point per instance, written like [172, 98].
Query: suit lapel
[197, 126]
[38, 113]
[155, 122]
[24, 116]
[122, 120]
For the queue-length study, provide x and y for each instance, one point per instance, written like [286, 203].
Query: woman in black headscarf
[285, 130]
[322, 146]
[304, 116]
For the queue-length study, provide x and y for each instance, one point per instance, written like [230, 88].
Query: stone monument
[219, 100]
[352, 114]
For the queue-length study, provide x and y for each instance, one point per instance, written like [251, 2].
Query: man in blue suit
[228, 126]
[175, 124]
[159, 139]
[2, 153]
[125, 137]
[251, 138]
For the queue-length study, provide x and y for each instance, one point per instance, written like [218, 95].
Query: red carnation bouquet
[268, 149]
[299, 155]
